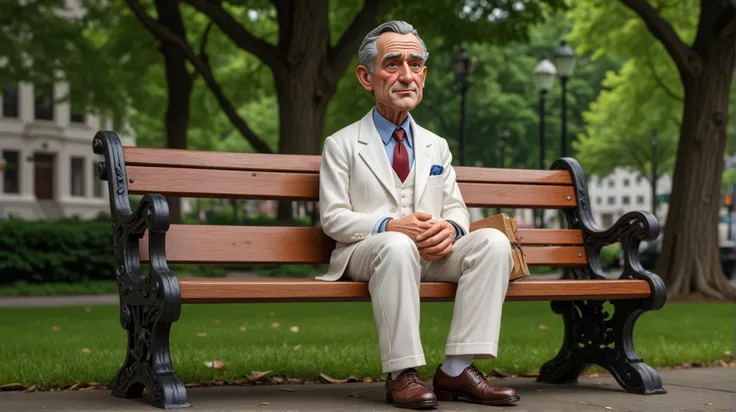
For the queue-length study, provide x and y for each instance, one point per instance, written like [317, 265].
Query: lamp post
[564, 60]
[463, 68]
[655, 176]
[503, 139]
[544, 77]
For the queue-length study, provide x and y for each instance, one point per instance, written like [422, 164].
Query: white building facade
[49, 164]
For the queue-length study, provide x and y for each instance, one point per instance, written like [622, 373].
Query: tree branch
[164, 35]
[202, 45]
[726, 24]
[687, 61]
[244, 39]
[659, 80]
[339, 56]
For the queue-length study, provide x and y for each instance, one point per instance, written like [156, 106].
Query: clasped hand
[433, 238]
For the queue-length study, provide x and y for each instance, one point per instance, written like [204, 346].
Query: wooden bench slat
[266, 244]
[187, 182]
[146, 156]
[296, 290]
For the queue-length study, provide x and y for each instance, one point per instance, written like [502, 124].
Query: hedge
[74, 250]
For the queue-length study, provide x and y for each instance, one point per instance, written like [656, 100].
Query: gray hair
[368, 51]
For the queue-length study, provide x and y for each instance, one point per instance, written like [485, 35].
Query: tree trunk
[690, 263]
[305, 84]
[179, 89]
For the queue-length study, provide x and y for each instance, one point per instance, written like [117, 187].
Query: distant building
[48, 153]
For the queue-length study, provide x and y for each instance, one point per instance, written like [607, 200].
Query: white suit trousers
[480, 263]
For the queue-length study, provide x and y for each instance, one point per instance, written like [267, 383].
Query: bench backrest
[189, 173]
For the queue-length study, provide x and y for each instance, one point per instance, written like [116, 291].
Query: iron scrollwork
[592, 334]
[148, 304]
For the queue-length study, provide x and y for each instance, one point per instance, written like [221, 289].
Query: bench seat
[298, 290]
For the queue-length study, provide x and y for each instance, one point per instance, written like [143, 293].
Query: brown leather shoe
[471, 386]
[407, 391]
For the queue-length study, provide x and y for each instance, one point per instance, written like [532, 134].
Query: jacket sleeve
[453, 205]
[337, 217]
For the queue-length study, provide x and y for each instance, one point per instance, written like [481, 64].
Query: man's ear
[364, 77]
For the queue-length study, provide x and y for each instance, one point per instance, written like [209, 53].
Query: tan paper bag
[507, 225]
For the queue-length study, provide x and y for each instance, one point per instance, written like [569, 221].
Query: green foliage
[55, 251]
[644, 96]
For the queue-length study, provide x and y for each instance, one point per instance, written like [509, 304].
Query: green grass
[337, 339]
[91, 287]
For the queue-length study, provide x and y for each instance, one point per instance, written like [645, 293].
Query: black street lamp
[463, 67]
[564, 60]
[655, 175]
[544, 78]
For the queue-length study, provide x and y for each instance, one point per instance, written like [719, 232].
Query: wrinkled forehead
[393, 43]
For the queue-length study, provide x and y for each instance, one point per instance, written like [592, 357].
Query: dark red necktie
[401, 157]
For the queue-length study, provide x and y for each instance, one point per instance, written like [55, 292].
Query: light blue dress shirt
[385, 131]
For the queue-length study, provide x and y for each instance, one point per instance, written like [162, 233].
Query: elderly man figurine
[389, 198]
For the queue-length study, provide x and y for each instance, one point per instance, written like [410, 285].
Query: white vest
[405, 194]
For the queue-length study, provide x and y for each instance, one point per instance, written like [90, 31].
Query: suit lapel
[374, 155]
[422, 146]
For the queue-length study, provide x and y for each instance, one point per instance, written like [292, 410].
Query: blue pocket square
[436, 170]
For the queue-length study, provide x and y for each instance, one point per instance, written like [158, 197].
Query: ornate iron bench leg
[148, 305]
[594, 335]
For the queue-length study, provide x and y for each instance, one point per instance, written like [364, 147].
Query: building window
[607, 220]
[611, 183]
[44, 104]
[10, 101]
[625, 200]
[626, 182]
[11, 175]
[97, 184]
[640, 200]
[76, 114]
[599, 200]
[638, 180]
[77, 182]
[611, 200]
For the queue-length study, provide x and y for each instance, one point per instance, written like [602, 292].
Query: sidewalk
[707, 389]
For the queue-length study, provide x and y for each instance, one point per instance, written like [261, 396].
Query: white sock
[395, 374]
[455, 365]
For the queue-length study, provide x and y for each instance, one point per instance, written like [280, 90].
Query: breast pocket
[434, 180]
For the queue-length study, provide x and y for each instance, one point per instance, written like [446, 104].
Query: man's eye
[392, 64]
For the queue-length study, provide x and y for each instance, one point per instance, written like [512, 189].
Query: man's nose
[405, 73]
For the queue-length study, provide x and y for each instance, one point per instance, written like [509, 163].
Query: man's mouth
[404, 91]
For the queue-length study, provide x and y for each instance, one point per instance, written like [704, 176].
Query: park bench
[150, 303]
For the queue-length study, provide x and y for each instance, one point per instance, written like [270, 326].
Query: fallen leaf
[193, 385]
[499, 373]
[332, 380]
[88, 309]
[294, 329]
[75, 386]
[201, 334]
[543, 327]
[608, 407]
[367, 380]
[709, 404]
[294, 380]
[86, 350]
[297, 347]
[286, 389]
[217, 321]
[243, 328]
[277, 379]
[88, 388]
[723, 363]
[255, 375]
[265, 403]
[728, 354]
[216, 364]
[31, 389]
[275, 325]
[55, 328]
[355, 395]
[271, 314]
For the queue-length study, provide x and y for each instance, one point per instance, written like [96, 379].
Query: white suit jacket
[356, 186]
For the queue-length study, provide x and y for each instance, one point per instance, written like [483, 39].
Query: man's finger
[440, 246]
[434, 229]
